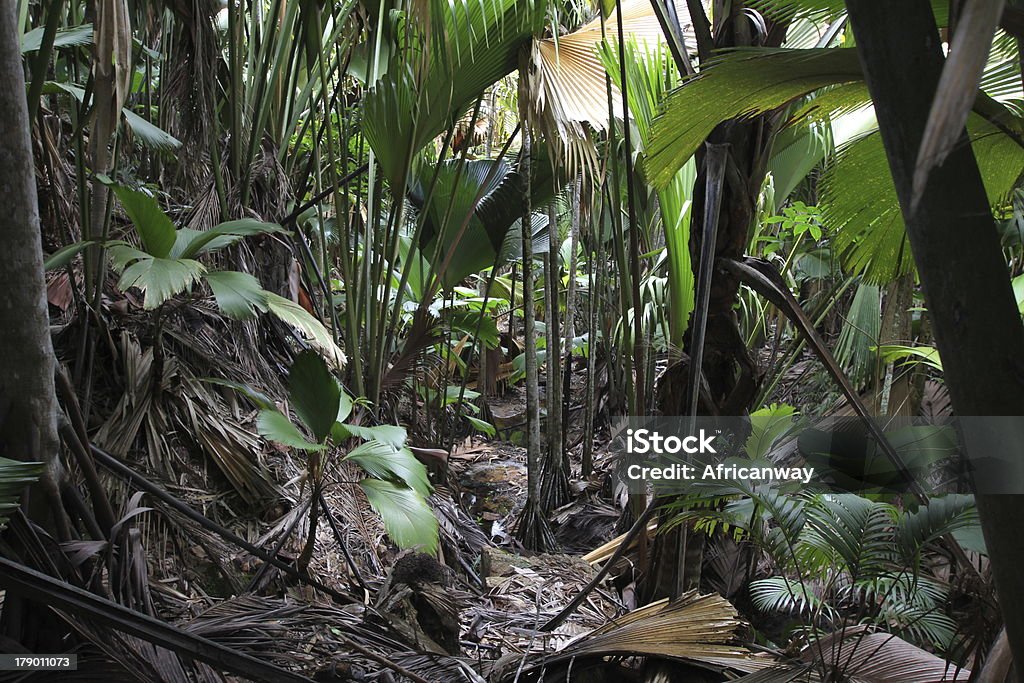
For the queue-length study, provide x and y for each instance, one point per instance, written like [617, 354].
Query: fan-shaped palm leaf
[482, 39]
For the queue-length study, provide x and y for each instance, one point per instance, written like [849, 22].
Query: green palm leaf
[409, 520]
[384, 461]
[789, 596]
[275, 426]
[298, 317]
[160, 278]
[860, 205]
[149, 135]
[392, 435]
[857, 530]
[827, 9]
[238, 295]
[738, 84]
[481, 42]
[314, 394]
[456, 197]
[151, 223]
[195, 242]
[940, 516]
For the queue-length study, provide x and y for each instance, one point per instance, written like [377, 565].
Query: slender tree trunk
[895, 397]
[594, 332]
[532, 528]
[28, 402]
[570, 316]
[955, 245]
[556, 477]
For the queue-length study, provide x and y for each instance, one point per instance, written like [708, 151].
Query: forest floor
[198, 442]
[483, 599]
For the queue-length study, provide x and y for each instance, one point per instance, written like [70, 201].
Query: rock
[494, 486]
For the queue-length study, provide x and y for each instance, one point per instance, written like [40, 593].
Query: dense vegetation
[320, 320]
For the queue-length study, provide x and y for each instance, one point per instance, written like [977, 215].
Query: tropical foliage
[396, 270]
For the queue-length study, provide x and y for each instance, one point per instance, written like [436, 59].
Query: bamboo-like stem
[555, 489]
[532, 527]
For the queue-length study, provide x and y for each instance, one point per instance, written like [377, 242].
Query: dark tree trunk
[727, 365]
[28, 403]
[953, 238]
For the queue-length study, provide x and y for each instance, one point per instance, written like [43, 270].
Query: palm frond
[299, 318]
[407, 517]
[482, 40]
[862, 327]
[787, 596]
[826, 9]
[738, 84]
[695, 628]
[940, 516]
[569, 86]
[860, 205]
[883, 658]
[857, 530]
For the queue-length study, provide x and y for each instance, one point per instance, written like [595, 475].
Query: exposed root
[533, 529]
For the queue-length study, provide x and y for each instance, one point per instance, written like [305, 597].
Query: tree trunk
[532, 528]
[555, 489]
[727, 365]
[955, 245]
[28, 403]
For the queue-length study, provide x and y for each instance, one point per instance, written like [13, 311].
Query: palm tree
[764, 90]
[955, 246]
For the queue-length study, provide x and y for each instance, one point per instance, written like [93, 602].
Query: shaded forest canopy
[321, 320]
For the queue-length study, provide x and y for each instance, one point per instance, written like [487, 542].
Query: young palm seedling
[396, 484]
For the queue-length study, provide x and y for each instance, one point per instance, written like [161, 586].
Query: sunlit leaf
[482, 426]
[409, 520]
[298, 317]
[392, 435]
[383, 461]
[161, 278]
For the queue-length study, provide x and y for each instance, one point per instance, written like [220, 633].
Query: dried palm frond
[195, 410]
[309, 636]
[439, 667]
[859, 656]
[233, 448]
[569, 86]
[602, 553]
[122, 426]
[883, 658]
[698, 629]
